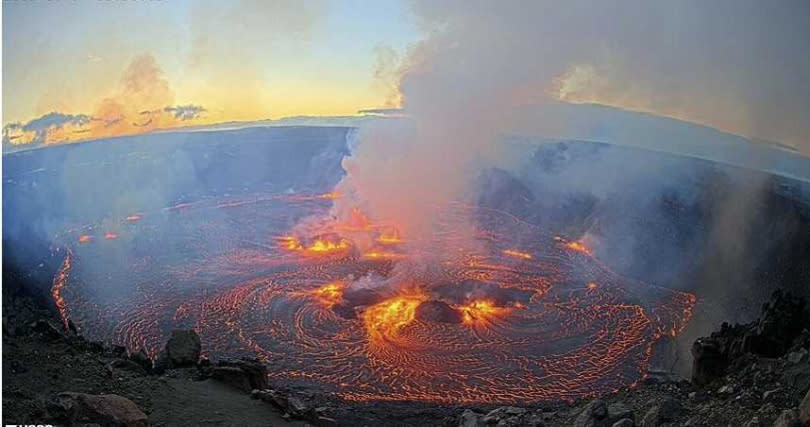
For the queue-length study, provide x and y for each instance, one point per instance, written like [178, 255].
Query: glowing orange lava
[517, 254]
[321, 245]
[330, 293]
[333, 308]
[579, 247]
[480, 311]
[382, 255]
[384, 320]
[110, 235]
[324, 245]
[58, 287]
[389, 236]
[84, 238]
[330, 196]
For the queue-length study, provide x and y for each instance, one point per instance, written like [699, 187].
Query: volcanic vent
[348, 309]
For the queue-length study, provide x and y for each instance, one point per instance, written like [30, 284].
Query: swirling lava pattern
[529, 316]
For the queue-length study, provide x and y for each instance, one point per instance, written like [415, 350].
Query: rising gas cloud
[487, 68]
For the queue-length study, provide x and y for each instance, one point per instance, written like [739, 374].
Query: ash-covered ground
[601, 265]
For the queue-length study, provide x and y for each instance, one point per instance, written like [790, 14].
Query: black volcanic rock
[708, 361]
[243, 374]
[781, 323]
[105, 409]
[361, 297]
[437, 311]
[183, 348]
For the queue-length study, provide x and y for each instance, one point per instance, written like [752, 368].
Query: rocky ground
[744, 375]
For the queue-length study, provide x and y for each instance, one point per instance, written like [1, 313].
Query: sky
[83, 69]
[239, 60]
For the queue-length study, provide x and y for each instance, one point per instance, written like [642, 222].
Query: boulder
[242, 374]
[104, 409]
[618, 412]
[470, 418]
[788, 418]
[797, 377]
[624, 422]
[505, 416]
[708, 363]
[665, 411]
[183, 348]
[595, 414]
[804, 409]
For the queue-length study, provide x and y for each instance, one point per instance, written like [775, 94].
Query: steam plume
[486, 68]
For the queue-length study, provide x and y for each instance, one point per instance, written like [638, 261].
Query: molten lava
[517, 254]
[332, 195]
[384, 320]
[579, 247]
[58, 287]
[389, 236]
[110, 235]
[347, 309]
[84, 238]
[382, 255]
[320, 245]
[330, 293]
[480, 311]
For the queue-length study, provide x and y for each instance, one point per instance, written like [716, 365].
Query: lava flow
[350, 309]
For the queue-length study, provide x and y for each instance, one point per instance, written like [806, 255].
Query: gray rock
[788, 418]
[593, 415]
[125, 365]
[753, 422]
[796, 357]
[183, 348]
[243, 374]
[665, 411]
[652, 418]
[618, 412]
[708, 362]
[624, 422]
[507, 415]
[770, 393]
[469, 418]
[804, 409]
[233, 377]
[797, 377]
[726, 389]
[104, 409]
[296, 406]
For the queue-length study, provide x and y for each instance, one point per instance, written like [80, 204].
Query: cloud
[185, 112]
[39, 130]
[143, 101]
[55, 120]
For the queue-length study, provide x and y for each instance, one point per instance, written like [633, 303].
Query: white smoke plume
[487, 68]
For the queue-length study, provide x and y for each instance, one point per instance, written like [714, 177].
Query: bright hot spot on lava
[348, 310]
